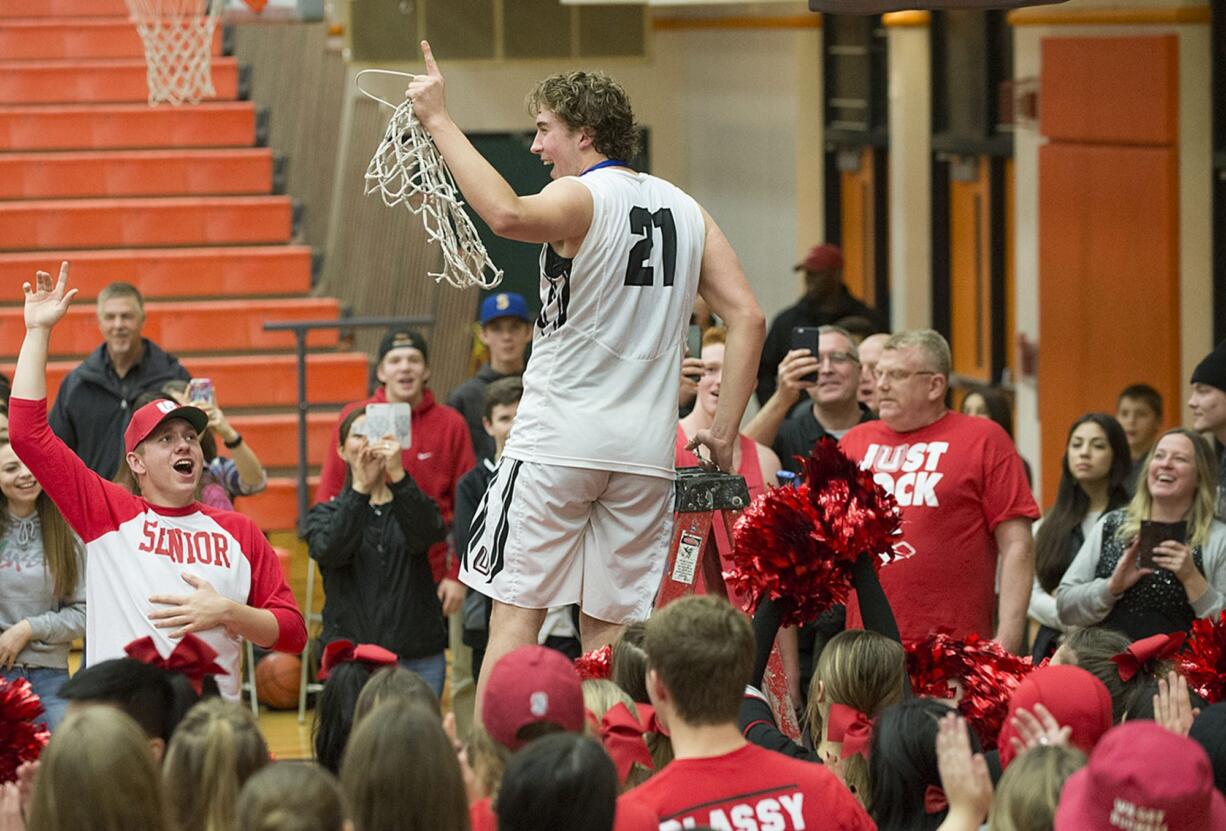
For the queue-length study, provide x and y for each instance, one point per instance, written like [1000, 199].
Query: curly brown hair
[591, 101]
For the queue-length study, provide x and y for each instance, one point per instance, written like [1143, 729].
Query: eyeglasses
[898, 376]
[837, 358]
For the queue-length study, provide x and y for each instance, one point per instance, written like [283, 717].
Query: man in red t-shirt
[964, 497]
[700, 654]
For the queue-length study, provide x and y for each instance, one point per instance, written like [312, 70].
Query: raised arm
[1082, 598]
[563, 210]
[723, 285]
[764, 427]
[252, 478]
[45, 305]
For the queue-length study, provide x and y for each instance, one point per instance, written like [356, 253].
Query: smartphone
[390, 420]
[693, 342]
[1155, 533]
[200, 391]
[806, 337]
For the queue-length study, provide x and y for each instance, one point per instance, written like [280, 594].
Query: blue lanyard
[605, 163]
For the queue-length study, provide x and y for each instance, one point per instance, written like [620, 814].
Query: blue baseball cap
[504, 304]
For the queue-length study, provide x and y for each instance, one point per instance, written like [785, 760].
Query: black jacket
[798, 434]
[94, 404]
[376, 571]
[469, 400]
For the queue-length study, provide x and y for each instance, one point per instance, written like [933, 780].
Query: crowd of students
[1106, 736]
[680, 730]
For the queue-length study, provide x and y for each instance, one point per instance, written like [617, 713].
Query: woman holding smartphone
[1110, 580]
[372, 542]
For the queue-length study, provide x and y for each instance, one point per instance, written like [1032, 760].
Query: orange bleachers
[176, 272]
[80, 39]
[102, 223]
[277, 506]
[245, 381]
[245, 171]
[111, 80]
[275, 436]
[186, 327]
[63, 8]
[127, 126]
[178, 201]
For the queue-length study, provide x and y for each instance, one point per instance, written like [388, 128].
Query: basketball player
[580, 507]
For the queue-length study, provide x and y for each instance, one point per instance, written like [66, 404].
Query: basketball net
[178, 38]
[408, 170]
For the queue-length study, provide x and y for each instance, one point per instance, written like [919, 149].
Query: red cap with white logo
[530, 685]
[149, 417]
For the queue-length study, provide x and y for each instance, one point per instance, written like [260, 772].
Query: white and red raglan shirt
[134, 550]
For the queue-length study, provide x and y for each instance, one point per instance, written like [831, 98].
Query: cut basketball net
[178, 38]
[408, 170]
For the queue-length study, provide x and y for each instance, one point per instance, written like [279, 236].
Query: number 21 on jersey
[644, 223]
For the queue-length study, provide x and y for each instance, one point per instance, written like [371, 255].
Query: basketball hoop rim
[357, 82]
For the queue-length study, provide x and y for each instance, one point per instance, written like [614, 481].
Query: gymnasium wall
[1169, 307]
[733, 104]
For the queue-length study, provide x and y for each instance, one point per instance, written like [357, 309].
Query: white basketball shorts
[548, 535]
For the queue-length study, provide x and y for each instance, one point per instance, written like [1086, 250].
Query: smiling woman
[42, 609]
[1126, 581]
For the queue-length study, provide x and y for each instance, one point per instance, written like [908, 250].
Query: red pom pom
[21, 740]
[1203, 660]
[596, 665]
[798, 545]
[940, 666]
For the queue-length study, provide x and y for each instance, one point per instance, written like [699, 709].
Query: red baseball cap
[149, 417]
[1072, 695]
[822, 257]
[532, 684]
[1142, 776]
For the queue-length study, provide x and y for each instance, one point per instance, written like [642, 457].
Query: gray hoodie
[26, 594]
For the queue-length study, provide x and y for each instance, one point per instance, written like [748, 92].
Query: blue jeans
[432, 669]
[46, 683]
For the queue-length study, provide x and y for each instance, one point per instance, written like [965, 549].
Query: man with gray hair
[964, 498]
[94, 403]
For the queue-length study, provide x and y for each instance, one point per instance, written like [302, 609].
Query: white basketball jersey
[600, 390]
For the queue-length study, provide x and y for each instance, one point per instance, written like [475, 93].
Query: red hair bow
[1141, 652]
[934, 800]
[851, 727]
[191, 657]
[345, 652]
[621, 733]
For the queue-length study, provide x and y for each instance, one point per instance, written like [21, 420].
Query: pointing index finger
[431, 66]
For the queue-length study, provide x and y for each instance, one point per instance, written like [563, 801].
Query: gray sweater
[26, 594]
[1084, 600]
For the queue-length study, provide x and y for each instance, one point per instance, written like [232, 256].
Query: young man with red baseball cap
[159, 564]
[531, 692]
[700, 657]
